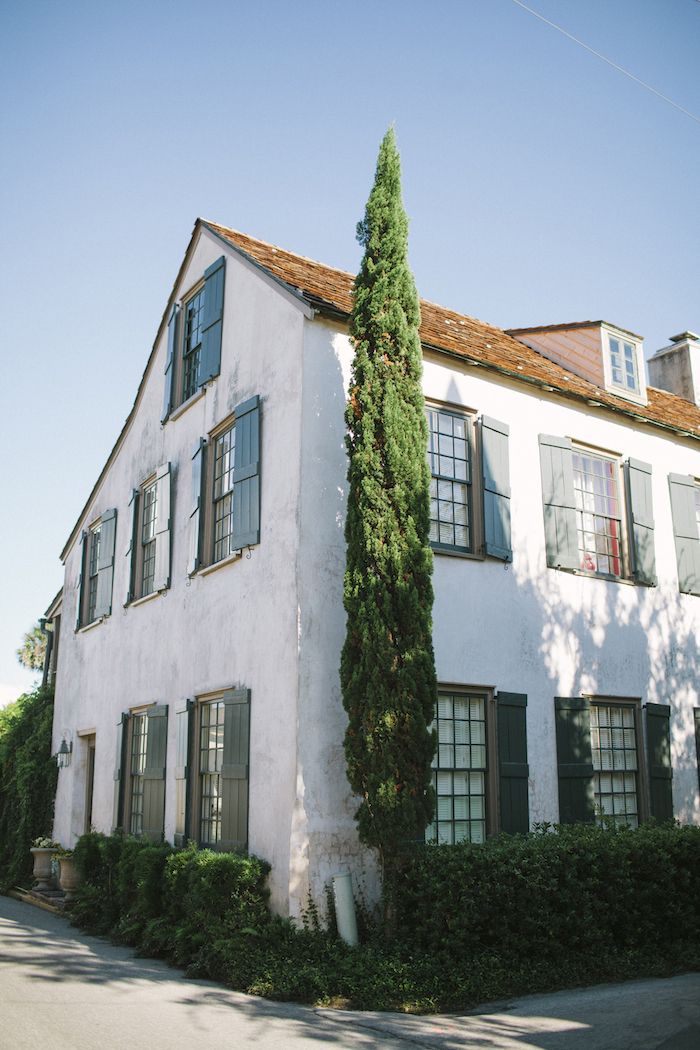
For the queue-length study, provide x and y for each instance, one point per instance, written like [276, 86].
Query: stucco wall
[234, 626]
[520, 627]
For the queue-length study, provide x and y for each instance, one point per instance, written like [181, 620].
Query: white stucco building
[202, 607]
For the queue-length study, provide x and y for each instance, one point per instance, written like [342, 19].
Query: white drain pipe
[345, 909]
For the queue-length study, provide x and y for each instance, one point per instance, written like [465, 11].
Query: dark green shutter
[120, 765]
[196, 511]
[161, 578]
[496, 488]
[105, 564]
[559, 504]
[133, 546]
[82, 574]
[183, 767]
[685, 532]
[658, 718]
[696, 715]
[154, 773]
[574, 759]
[173, 329]
[513, 769]
[246, 475]
[212, 321]
[641, 512]
[234, 772]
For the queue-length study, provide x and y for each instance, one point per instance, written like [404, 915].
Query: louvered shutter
[658, 717]
[184, 729]
[80, 586]
[131, 550]
[513, 769]
[685, 532]
[696, 715]
[234, 772]
[212, 321]
[196, 512]
[154, 773]
[105, 564]
[161, 579]
[574, 759]
[246, 475]
[120, 764]
[173, 332]
[641, 514]
[559, 504]
[496, 488]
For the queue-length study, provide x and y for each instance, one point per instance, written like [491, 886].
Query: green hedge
[472, 923]
[27, 783]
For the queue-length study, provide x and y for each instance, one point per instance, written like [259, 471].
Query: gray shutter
[513, 769]
[234, 772]
[496, 481]
[212, 321]
[641, 514]
[105, 564]
[574, 759]
[184, 727]
[120, 764]
[196, 512]
[561, 540]
[696, 715]
[173, 327]
[246, 475]
[161, 578]
[133, 546]
[81, 578]
[685, 532]
[154, 773]
[658, 717]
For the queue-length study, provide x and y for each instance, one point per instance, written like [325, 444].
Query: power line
[609, 61]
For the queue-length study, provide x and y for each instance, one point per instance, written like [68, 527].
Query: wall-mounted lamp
[63, 755]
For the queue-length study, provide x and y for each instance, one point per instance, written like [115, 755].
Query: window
[598, 513]
[449, 459]
[93, 563]
[96, 574]
[604, 775]
[224, 454]
[211, 771]
[225, 514]
[193, 354]
[139, 776]
[192, 343]
[623, 364]
[149, 547]
[480, 766]
[461, 520]
[614, 752]
[139, 736]
[460, 769]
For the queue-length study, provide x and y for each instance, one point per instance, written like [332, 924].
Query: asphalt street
[63, 990]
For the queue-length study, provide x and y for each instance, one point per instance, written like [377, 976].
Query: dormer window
[623, 364]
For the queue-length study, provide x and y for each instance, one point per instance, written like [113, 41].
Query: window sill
[89, 626]
[219, 564]
[181, 409]
[457, 554]
[601, 576]
[145, 598]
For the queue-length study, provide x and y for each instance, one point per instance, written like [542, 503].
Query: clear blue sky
[542, 185]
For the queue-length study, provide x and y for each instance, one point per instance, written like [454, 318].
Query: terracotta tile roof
[463, 336]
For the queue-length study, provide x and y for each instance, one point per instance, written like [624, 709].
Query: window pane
[461, 806]
[614, 748]
[448, 458]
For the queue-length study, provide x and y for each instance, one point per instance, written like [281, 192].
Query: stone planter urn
[69, 877]
[43, 855]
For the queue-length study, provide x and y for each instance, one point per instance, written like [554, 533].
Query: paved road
[62, 990]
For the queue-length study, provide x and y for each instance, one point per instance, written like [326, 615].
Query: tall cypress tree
[387, 666]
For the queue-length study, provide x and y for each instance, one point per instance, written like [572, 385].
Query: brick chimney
[676, 368]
